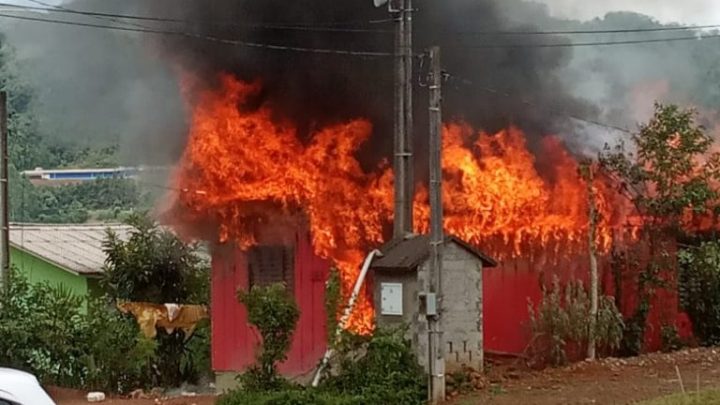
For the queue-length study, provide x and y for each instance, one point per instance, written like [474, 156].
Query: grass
[692, 398]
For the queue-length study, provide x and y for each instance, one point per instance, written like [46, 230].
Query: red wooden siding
[508, 288]
[234, 341]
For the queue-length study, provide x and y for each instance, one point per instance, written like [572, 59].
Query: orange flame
[252, 169]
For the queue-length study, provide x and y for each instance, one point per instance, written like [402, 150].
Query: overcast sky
[684, 11]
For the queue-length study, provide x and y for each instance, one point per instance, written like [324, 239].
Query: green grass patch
[693, 398]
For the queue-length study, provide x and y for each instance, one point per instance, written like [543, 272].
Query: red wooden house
[506, 291]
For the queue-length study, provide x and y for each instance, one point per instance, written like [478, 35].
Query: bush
[118, 357]
[561, 323]
[699, 285]
[274, 313]
[379, 369]
[373, 370]
[64, 341]
[295, 396]
[154, 265]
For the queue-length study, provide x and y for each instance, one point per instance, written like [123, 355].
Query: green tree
[670, 173]
[273, 311]
[153, 265]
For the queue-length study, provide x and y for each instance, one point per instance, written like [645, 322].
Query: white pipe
[346, 315]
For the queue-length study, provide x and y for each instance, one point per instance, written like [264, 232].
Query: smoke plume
[489, 88]
[110, 86]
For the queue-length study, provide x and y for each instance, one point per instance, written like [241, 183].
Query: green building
[71, 255]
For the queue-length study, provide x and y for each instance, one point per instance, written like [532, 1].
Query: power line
[368, 54]
[328, 26]
[595, 43]
[313, 27]
[57, 8]
[588, 32]
[347, 52]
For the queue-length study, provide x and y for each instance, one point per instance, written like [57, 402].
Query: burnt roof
[408, 253]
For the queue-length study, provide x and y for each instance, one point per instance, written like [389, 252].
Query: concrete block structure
[400, 278]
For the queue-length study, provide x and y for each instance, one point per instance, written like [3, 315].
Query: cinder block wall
[461, 294]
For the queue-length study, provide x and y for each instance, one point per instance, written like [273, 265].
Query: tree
[672, 170]
[671, 174]
[273, 311]
[153, 265]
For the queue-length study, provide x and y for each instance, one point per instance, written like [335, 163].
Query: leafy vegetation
[669, 175]
[561, 323]
[48, 331]
[74, 203]
[86, 343]
[274, 313]
[29, 149]
[381, 369]
[699, 284]
[691, 398]
[378, 369]
[154, 266]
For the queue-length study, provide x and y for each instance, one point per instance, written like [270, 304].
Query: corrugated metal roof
[76, 248]
[408, 253]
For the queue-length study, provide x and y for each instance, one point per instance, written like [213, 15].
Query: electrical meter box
[391, 300]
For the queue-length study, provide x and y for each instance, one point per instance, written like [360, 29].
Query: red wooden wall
[234, 341]
[508, 288]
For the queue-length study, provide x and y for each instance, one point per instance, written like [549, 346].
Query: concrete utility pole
[592, 226]
[437, 238]
[403, 155]
[4, 202]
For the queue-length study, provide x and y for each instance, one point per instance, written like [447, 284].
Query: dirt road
[611, 381]
[73, 397]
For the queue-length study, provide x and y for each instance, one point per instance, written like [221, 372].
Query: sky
[683, 11]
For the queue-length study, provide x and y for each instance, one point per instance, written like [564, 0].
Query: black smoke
[313, 90]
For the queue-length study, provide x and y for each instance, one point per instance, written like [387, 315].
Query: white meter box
[391, 299]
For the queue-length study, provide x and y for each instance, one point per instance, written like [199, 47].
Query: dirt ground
[610, 381]
[72, 397]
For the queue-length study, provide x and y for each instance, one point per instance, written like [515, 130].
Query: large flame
[242, 169]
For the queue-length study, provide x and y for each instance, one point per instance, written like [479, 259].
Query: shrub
[699, 285]
[55, 335]
[380, 369]
[154, 265]
[295, 396]
[561, 322]
[40, 328]
[274, 313]
[671, 340]
[118, 356]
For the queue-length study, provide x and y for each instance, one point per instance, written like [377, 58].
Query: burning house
[285, 210]
[286, 171]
